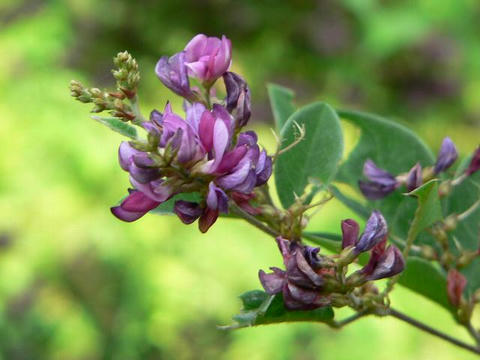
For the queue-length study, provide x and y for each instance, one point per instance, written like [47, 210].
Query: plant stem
[139, 119]
[348, 320]
[474, 333]
[253, 220]
[432, 331]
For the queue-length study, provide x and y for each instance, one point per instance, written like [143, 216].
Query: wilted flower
[208, 58]
[414, 177]
[474, 165]
[381, 182]
[238, 98]
[456, 283]
[350, 230]
[301, 284]
[446, 156]
[384, 262]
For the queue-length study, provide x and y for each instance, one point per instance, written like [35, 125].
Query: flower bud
[446, 156]
[349, 233]
[375, 230]
[238, 98]
[187, 211]
[414, 178]
[456, 283]
[474, 163]
[381, 182]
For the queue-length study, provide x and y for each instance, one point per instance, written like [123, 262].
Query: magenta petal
[195, 47]
[124, 215]
[197, 69]
[231, 159]
[205, 130]
[138, 202]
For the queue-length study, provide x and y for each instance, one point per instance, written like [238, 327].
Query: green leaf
[281, 102]
[259, 308]
[166, 208]
[316, 156]
[467, 232]
[429, 209]
[117, 125]
[397, 149]
[389, 144]
[329, 241]
[424, 278]
[352, 204]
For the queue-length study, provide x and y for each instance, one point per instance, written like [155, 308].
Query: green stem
[252, 220]
[349, 320]
[139, 119]
[473, 333]
[432, 331]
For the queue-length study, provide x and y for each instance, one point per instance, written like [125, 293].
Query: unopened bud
[450, 223]
[428, 252]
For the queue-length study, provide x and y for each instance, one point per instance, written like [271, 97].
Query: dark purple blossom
[187, 211]
[384, 262]
[414, 177]
[375, 230]
[238, 98]
[350, 231]
[474, 165]
[208, 58]
[446, 156]
[381, 182]
[301, 283]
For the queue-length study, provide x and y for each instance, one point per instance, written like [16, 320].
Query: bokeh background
[75, 283]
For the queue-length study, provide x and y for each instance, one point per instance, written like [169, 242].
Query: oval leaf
[281, 102]
[316, 156]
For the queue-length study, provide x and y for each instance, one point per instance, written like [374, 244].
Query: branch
[434, 332]
[252, 220]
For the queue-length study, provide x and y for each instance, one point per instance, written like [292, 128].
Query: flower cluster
[311, 280]
[381, 183]
[205, 152]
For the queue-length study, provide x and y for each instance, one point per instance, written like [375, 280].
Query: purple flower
[208, 58]
[187, 211]
[349, 233]
[238, 98]
[134, 206]
[383, 262]
[446, 156]
[414, 177]
[301, 284]
[381, 182]
[173, 73]
[474, 165]
[375, 230]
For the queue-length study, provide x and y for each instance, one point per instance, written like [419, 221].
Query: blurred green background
[76, 283]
